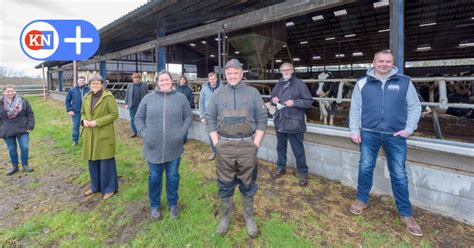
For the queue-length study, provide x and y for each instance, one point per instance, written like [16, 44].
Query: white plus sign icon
[78, 40]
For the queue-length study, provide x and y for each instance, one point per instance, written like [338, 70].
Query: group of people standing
[384, 112]
[162, 118]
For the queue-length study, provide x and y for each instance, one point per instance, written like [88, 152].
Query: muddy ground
[53, 187]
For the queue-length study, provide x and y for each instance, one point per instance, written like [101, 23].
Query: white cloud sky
[15, 14]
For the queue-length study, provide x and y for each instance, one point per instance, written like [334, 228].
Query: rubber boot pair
[226, 211]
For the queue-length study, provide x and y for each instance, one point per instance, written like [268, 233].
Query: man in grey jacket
[384, 111]
[133, 96]
[236, 120]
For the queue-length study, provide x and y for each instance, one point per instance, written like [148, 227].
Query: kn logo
[53, 40]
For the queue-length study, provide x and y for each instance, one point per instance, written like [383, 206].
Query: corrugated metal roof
[357, 30]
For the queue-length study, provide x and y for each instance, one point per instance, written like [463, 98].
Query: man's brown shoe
[357, 207]
[89, 192]
[108, 195]
[412, 226]
[278, 173]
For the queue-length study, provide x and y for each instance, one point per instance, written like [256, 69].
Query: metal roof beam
[265, 15]
[269, 14]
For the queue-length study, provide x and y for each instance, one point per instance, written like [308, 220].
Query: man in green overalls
[236, 120]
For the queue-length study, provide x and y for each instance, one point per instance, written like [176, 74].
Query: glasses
[285, 70]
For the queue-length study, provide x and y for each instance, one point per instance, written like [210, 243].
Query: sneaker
[303, 181]
[155, 213]
[412, 226]
[278, 173]
[133, 135]
[174, 212]
[108, 195]
[357, 207]
[74, 143]
[212, 156]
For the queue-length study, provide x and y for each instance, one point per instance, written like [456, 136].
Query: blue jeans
[395, 149]
[103, 175]
[23, 141]
[76, 123]
[133, 112]
[155, 179]
[296, 142]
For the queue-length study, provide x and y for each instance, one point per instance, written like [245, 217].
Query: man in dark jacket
[292, 98]
[184, 89]
[134, 95]
[74, 104]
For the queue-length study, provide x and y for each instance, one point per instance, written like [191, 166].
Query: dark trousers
[296, 142]
[103, 175]
[133, 112]
[236, 164]
[76, 123]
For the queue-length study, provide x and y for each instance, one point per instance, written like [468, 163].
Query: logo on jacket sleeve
[59, 40]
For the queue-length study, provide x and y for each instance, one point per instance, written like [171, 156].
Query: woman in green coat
[99, 111]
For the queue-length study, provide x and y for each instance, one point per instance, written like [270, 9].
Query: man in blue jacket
[207, 90]
[292, 97]
[74, 104]
[384, 111]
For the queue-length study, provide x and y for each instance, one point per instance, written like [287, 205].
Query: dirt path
[48, 189]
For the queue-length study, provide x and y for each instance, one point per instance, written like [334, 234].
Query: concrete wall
[441, 174]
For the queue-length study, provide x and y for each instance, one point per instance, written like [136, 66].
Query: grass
[65, 218]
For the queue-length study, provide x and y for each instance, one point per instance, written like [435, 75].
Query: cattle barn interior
[336, 36]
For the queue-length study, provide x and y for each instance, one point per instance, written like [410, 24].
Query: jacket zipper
[383, 101]
[235, 107]
[164, 128]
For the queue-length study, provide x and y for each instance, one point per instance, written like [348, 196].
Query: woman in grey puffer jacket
[163, 119]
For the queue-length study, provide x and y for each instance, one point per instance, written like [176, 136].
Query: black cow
[460, 92]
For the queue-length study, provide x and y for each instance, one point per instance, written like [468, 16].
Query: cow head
[323, 87]
[463, 88]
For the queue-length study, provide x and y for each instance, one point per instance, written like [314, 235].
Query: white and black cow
[328, 90]
[456, 91]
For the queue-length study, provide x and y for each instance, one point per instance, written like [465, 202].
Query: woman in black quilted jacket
[17, 120]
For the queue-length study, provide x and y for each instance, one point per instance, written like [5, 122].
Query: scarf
[95, 98]
[12, 107]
